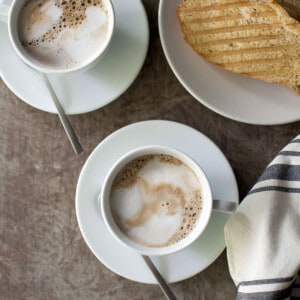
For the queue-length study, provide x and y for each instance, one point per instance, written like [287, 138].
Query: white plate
[123, 261]
[84, 91]
[231, 95]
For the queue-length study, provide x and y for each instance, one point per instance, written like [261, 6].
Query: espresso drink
[156, 200]
[63, 34]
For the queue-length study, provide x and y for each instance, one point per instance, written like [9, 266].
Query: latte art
[156, 200]
[63, 35]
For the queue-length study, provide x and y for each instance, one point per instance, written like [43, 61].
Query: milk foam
[63, 36]
[156, 200]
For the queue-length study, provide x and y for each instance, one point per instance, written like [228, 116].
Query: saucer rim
[83, 173]
[82, 110]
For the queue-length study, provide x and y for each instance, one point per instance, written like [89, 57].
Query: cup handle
[4, 10]
[226, 206]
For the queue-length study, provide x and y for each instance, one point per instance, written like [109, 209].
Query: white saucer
[232, 95]
[92, 89]
[123, 261]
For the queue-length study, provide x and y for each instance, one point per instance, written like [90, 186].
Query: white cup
[114, 229]
[9, 13]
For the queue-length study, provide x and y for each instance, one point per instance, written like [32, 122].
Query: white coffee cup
[115, 230]
[10, 12]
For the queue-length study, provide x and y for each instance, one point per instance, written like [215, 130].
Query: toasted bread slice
[256, 38]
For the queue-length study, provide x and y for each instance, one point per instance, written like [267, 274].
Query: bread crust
[292, 7]
[256, 38]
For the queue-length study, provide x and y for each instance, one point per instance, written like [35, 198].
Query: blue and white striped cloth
[263, 235]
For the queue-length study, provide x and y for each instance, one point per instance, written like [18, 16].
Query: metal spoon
[63, 118]
[226, 206]
[160, 280]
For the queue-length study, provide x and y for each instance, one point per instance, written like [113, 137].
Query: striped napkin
[263, 235]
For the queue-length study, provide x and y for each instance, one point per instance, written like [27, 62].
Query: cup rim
[13, 18]
[113, 227]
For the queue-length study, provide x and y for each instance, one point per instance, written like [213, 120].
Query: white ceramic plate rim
[88, 187]
[231, 95]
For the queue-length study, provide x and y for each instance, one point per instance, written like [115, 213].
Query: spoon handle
[160, 280]
[224, 205]
[63, 118]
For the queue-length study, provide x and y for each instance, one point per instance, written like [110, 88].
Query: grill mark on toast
[244, 40]
[260, 65]
[254, 51]
[251, 27]
[225, 6]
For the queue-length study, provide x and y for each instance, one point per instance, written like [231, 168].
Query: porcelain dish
[89, 90]
[231, 95]
[118, 258]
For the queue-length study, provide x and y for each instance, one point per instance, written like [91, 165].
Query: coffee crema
[156, 200]
[63, 35]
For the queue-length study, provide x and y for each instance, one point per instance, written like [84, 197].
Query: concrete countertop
[42, 252]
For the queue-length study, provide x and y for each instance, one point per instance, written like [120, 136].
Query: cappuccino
[156, 200]
[63, 34]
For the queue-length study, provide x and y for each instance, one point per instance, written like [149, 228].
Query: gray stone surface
[42, 253]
